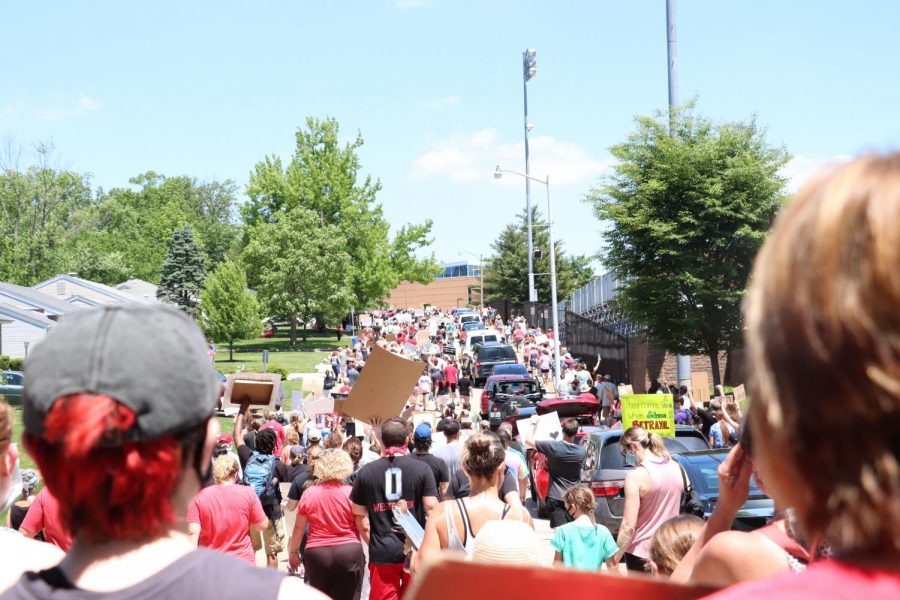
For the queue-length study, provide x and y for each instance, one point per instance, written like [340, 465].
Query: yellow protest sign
[653, 412]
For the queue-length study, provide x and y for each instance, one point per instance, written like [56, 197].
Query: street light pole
[529, 70]
[498, 173]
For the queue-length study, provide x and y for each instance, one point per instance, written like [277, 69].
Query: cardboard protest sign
[318, 406]
[364, 321]
[314, 383]
[390, 337]
[383, 386]
[339, 405]
[700, 386]
[653, 412]
[546, 428]
[258, 389]
[541, 339]
[740, 394]
[422, 337]
[483, 579]
[626, 390]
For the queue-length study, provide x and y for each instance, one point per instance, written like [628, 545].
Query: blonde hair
[581, 498]
[823, 335]
[291, 437]
[672, 540]
[334, 465]
[225, 468]
[650, 441]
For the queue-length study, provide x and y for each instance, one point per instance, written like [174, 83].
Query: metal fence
[585, 340]
[596, 292]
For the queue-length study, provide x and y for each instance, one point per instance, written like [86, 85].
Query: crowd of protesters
[144, 497]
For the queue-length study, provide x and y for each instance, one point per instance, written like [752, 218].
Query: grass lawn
[314, 341]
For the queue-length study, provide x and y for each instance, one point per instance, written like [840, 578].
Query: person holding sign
[652, 494]
[564, 460]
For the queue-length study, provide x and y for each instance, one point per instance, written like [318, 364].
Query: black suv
[489, 354]
[513, 398]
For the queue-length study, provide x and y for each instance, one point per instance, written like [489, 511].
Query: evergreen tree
[230, 310]
[183, 272]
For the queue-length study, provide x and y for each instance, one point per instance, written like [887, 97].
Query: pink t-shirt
[452, 374]
[331, 520]
[826, 579]
[225, 513]
[661, 503]
[43, 515]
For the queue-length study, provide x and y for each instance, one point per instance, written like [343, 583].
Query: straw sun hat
[507, 543]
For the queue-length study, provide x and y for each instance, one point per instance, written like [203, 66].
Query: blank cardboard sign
[259, 389]
[700, 386]
[383, 386]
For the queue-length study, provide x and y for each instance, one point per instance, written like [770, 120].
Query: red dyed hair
[106, 492]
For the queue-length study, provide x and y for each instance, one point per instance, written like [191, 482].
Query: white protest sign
[546, 428]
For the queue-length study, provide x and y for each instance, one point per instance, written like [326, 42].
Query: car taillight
[494, 407]
[478, 365]
[607, 489]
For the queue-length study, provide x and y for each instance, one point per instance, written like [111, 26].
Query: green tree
[688, 212]
[300, 268]
[323, 177]
[39, 208]
[230, 312]
[124, 233]
[183, 272]
[506, 272]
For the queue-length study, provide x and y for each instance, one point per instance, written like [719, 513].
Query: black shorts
[453, 387]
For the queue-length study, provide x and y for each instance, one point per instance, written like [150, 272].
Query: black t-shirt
[438, 467]
[381, 484]
[295, 471]
[296, 491]
[564, 464]
[282, 474]
[461, 488]
[707, 420]
[465, 386]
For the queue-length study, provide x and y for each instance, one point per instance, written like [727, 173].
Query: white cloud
[70, 109]
[443, 103]
[473, 157]
[801, 168]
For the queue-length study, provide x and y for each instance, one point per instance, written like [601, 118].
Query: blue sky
[209, 88]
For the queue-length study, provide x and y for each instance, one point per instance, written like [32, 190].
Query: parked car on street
[11, 384]
[507, 369]
[702, 468]
[513, 399]
[489, 354]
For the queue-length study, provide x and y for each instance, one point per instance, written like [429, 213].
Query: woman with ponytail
[583, 544]
[652, 494]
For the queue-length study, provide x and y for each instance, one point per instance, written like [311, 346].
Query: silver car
[11, 386]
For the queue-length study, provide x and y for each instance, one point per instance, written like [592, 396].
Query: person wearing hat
[126, 457]
[223, 446]
[19, 508]
[422, 443]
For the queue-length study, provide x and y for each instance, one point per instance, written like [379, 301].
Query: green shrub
[15, 364]
[4, 361]
[280, 370]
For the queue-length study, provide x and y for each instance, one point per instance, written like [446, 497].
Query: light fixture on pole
[529, 70]
[498, 173]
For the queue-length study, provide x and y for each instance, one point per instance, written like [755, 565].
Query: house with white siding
[81, 292]
[21, 329]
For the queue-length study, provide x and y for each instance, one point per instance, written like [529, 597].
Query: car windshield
[516, 387]
[708, 468]
[611, 455]
[496, 353]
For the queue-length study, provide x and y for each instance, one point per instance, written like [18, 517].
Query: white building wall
[69, 289]
[15, 335]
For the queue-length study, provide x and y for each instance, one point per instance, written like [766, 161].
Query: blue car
[516, 369]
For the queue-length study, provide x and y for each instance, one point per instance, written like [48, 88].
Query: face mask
[11, 488]
[630, 459]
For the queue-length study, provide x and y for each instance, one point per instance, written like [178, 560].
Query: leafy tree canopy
[688, 212]
[230, 312]
[183, 272]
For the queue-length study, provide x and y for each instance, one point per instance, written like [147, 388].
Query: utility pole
[529, 70]
[682, 362]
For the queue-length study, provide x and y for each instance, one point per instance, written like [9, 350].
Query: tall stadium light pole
[529, 70]
[498, 173]
[682, 361]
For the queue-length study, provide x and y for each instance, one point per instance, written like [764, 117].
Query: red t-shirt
[826, 579]
[331, 520]
[43, 514]
[279, 434]
[452, 374]
[225, 513]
